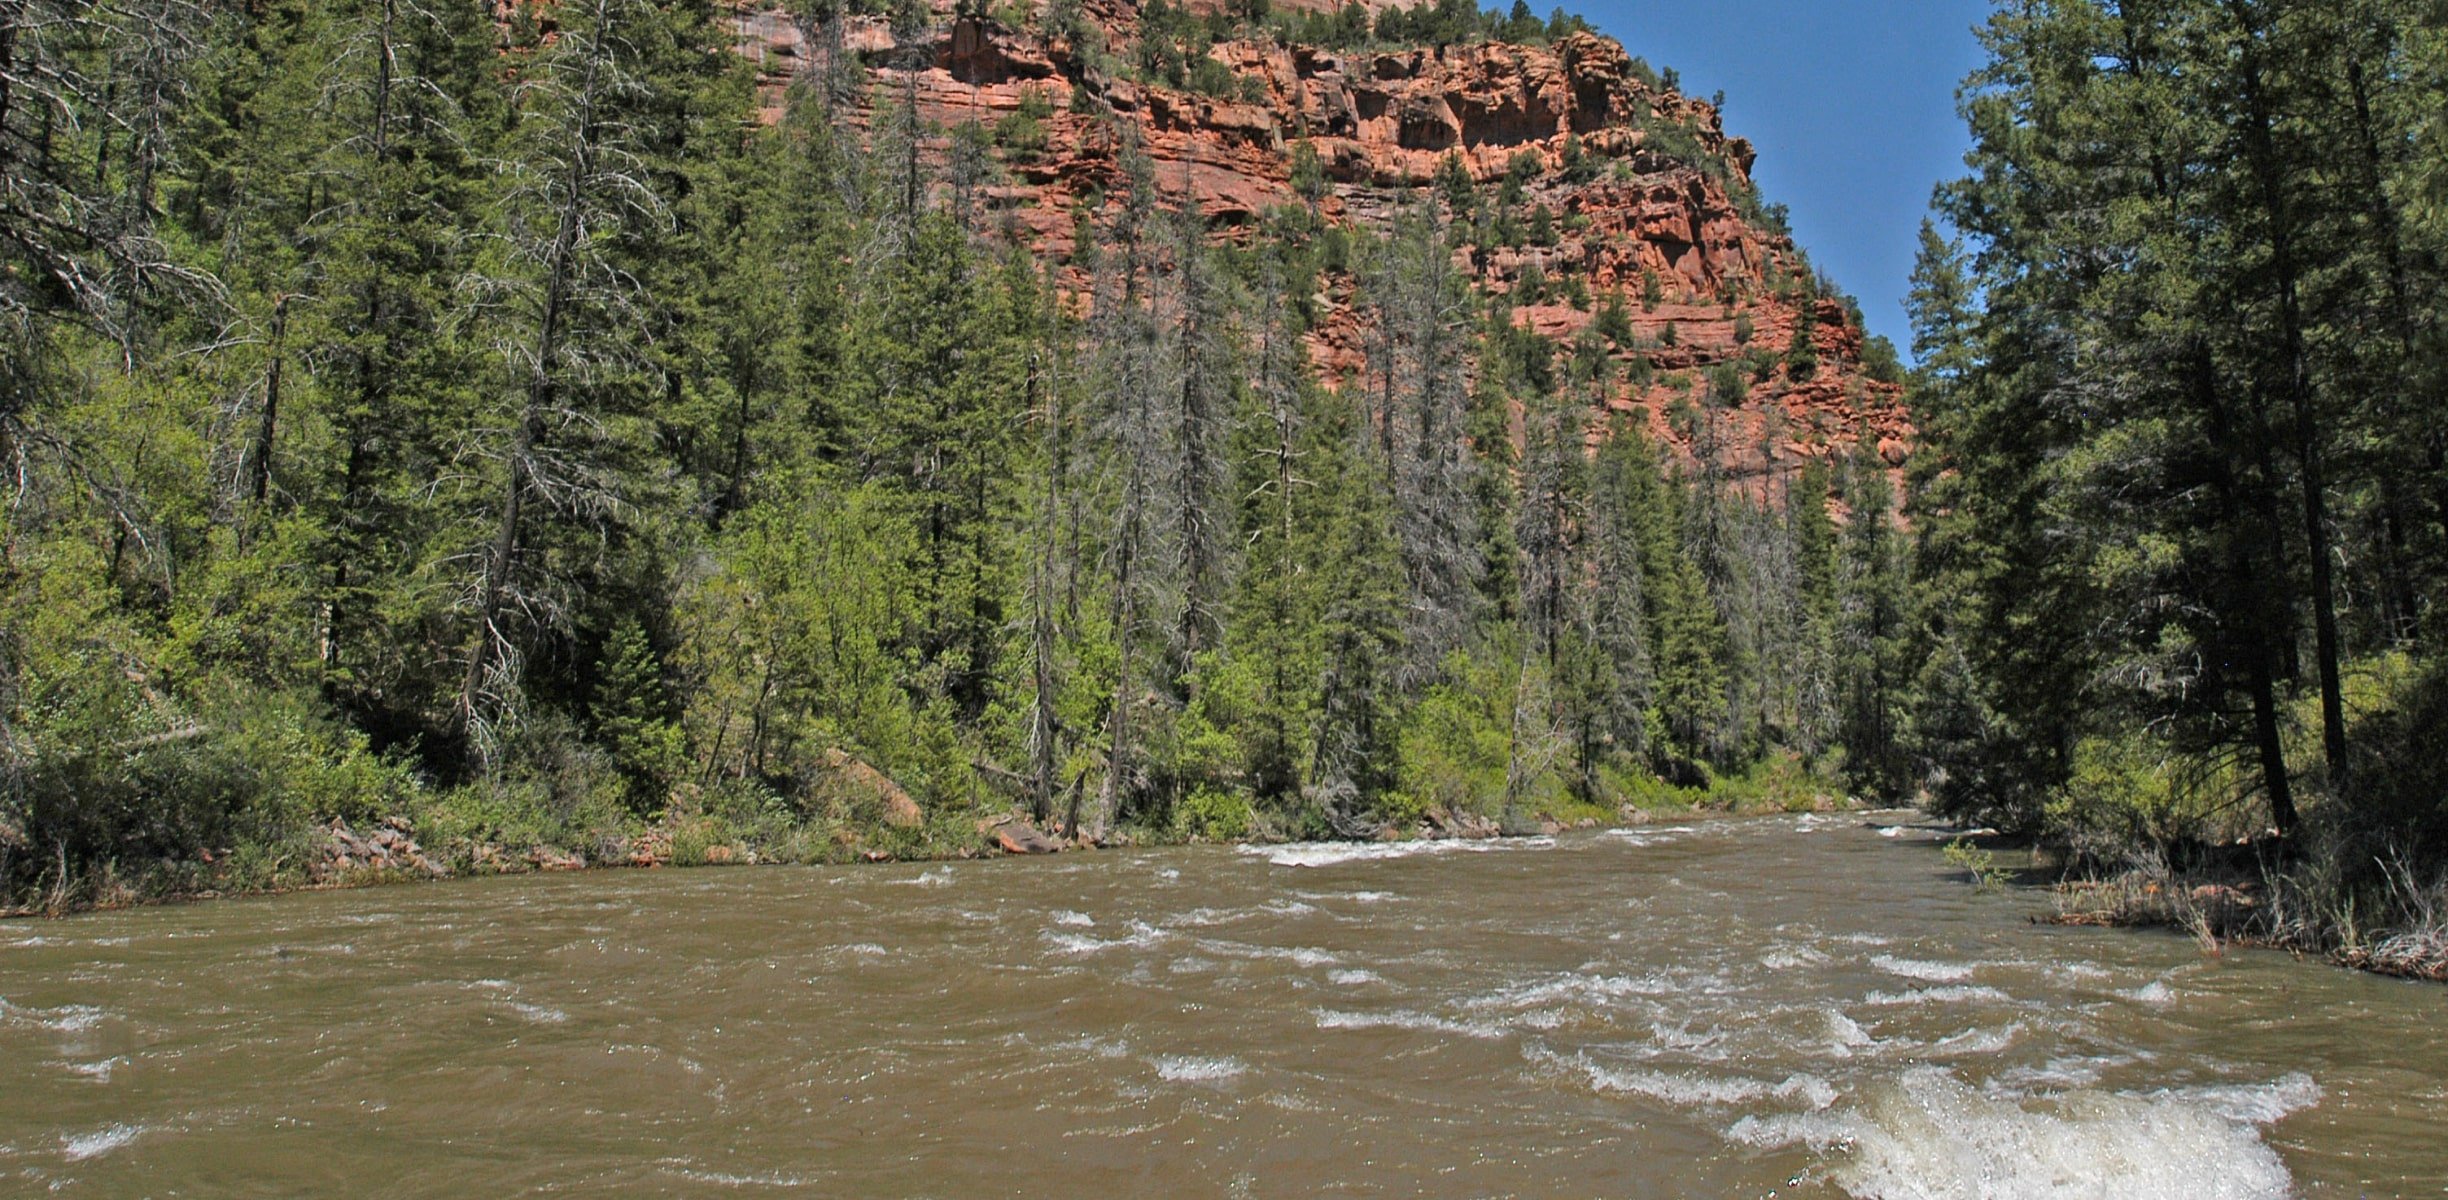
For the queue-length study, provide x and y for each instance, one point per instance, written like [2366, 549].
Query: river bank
[2345, 901]
[455, 838]
[2399, 929]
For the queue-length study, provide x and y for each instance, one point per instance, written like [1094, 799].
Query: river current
[1791, 1006]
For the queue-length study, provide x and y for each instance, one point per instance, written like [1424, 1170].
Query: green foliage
[1456, 743]
[1879, 360]
[1727, 385]
[1614, 322]
[1802, 354]
[1308, 173]
[634, 717]
[1454, 183]
[799, 638]
[2143, 612]
[1981, 864]
[1022, 131]
[1216, 815]
[500, 431]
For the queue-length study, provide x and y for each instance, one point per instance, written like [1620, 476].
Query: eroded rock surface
[1657, 212]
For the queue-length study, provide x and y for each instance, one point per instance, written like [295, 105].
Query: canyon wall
[1646, 196]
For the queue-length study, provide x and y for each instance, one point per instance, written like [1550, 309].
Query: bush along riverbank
[2142, 833]
[2339, 894]
[390, 830]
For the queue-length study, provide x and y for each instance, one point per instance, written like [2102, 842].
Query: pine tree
[580, 191]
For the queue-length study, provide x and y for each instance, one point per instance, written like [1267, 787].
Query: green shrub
[1455, 743]
[1980, 863]
[2130, 796]
[1216, 814]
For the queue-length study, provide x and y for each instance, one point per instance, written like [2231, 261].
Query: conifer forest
[611, 431]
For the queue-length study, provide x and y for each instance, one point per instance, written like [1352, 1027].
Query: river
[1789, 1006]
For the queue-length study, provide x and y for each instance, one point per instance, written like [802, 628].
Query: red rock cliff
[1656, 207]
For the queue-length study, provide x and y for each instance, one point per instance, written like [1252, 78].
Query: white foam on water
[1370, 897]
[1947, 994]
[1192, 965]
[1074, 920]
[1327, 854]
[866, 950]
[1290, 1102]
[1348, 978]
[538, 1013]
[2253, 1104]
[2156, 993]
[1301, 956]
[2063, 1073]
[1686, 1090]
[932, 877]
[1417, 1021]
[1683, 1041]
[1644, 836]
[77, 1147]
[1142, 934]
[1648, 833]
[775, 1179]
[1786, 958]
[99, 1072]
[1575, 988]
[1981, 1039]
[67, 1018]
[1930, 1136]
[1090, 1044]
[1845, 1035]
[1182, 1068]
[1923, 969]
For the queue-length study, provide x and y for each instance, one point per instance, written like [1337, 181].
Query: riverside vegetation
[444, 443]
[2180, 520]
[492, 431]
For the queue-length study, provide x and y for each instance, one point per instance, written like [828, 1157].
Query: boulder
[899, 810]
[1015, 835]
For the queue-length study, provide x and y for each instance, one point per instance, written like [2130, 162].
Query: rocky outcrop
[1014, 834]
[1646, 197]
[869, 790]
[387, 848]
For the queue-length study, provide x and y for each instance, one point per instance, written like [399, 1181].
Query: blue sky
[1850, 102]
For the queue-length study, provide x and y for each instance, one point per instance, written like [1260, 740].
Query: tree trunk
[542, 384]
[1043, 720]
[259, 457]
[2401, 589]
[2299, 391]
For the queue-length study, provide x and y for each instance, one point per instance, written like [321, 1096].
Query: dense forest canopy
[2181, 530]
[491, 427]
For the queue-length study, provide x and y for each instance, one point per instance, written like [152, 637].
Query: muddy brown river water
[1792, 1006]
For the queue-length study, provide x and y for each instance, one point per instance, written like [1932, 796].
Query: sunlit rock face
[1645, 197]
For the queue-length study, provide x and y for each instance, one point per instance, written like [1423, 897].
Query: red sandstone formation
[1656, 206]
